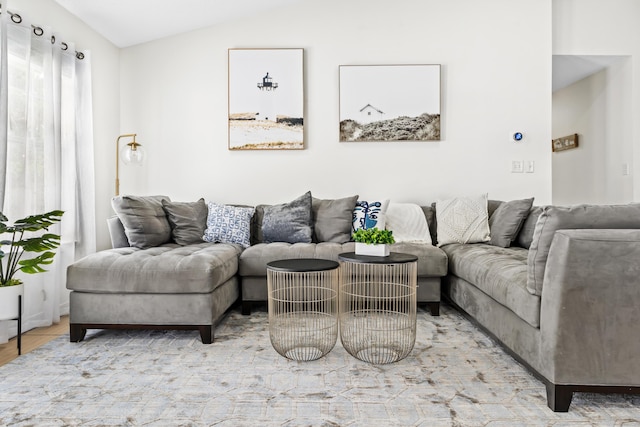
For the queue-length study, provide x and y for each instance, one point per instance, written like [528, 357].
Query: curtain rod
[38, 31]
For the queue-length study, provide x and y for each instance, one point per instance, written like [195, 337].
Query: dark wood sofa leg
[559, 397]
[434, 308]
[206, 334]
[76, 332]
[246, 307]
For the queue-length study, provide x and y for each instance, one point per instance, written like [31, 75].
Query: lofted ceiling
[568, 69]
[126, 23]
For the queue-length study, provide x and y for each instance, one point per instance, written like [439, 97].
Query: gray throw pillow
[525, 237]
[288, 222]
[506, 221]
[144, 220]
[187, 219]
[332, 219]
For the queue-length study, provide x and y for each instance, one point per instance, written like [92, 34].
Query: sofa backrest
[554, 218]
[525, 236]
[116, 232]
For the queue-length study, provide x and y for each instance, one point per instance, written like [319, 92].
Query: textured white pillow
[408, 223]
[462, 220]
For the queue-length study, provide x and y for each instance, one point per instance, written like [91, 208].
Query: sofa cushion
[408, 223]
[187, 220]
[253, 260]
[462, 220]
[228, 224]
[432, 261]
[288, 222]
[170, 268]
[144, 220]
[332, 219]
[430, 215]
[554, 218]
[501, 273]
[506, 221]
[525, 236]
[369, 214]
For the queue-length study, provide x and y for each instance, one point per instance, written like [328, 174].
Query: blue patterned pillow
[228, 224]
[369, 214]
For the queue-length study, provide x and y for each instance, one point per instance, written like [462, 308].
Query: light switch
[529, 166]
[517, 166]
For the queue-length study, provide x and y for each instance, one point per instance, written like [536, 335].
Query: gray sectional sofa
[560, 291]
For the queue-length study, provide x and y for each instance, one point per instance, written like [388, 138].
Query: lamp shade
[132, 153]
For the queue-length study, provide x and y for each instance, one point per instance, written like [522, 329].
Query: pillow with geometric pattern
[228, 224]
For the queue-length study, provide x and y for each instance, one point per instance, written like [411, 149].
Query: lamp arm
[127, 135]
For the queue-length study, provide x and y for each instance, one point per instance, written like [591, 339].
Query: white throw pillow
[462, 220]
[408, 223]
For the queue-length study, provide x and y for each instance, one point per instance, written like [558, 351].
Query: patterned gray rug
[455, 376]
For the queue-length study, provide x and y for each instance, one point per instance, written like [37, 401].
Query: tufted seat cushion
[170, 268]
[499, 272]
[432, 262]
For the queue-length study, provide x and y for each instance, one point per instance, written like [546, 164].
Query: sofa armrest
[590, 308]
[116, 232]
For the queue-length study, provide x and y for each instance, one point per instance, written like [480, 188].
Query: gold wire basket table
[303, 307]
[378, 306]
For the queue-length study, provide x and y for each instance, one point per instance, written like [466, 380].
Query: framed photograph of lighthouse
[389, 103]
[266, 99]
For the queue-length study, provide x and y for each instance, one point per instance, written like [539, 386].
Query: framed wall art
[266, 99]
[389, 103]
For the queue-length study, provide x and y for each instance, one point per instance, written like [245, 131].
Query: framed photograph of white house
[389, 103]
[266, 99]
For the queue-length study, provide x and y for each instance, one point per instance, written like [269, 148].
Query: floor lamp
[131, 153]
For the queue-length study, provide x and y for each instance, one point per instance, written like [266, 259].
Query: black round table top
[393, 258]
[302, 265]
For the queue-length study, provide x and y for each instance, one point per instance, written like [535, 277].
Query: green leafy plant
[373, 236]
[11, 261]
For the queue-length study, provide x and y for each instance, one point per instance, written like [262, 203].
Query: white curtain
[46, 150]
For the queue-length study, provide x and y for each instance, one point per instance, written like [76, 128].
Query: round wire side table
[303, 307]
[378, 306]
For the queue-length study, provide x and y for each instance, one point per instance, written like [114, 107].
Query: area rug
[455, 376]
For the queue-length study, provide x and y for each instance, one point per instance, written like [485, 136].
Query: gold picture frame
[389, 102]
[266, 99]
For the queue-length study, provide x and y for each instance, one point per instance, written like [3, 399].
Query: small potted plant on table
[373, 242]
[13, 248]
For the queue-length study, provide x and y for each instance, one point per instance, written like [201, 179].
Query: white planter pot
[9, 301]
[372, 250]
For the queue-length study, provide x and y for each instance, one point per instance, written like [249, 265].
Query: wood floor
[33, 339]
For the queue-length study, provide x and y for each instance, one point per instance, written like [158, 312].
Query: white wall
[589, 27]
[598, 109]
[496, 78]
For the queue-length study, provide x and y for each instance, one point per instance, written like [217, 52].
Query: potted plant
[373, 242]
[14, 246]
